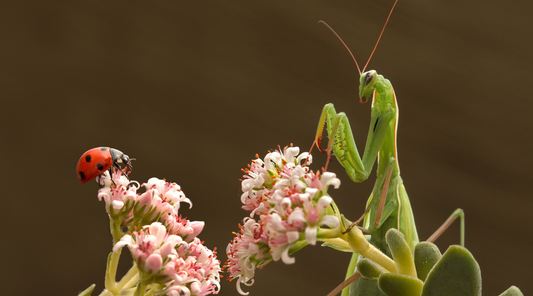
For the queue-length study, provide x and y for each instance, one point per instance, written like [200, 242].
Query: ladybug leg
[127, 163]
[100, 183]
[111, 175]
[117, 166]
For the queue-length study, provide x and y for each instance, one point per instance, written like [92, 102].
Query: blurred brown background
[193, 89]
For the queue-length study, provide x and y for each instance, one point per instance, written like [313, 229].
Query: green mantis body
[394, 210]
[388, 216]
[388, 205]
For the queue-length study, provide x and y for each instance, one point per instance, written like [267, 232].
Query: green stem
[116, 232]
[349, 272]
[153, 289]
[111, 271]
[132, 274]
[141, 287]
[337, 213]
[329, 233]
[128, 292]
[359, 244]
[132, 282]
[337, 243]
[106, 293]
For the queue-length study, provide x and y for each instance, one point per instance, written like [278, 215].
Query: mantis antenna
[358, 69]
[375, 46]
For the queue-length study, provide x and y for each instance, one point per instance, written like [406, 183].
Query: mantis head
[368, 79]
[367, 84]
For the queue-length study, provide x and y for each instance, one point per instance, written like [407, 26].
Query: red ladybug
[96, 161]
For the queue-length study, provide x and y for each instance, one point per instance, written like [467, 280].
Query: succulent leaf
[370, 269]
[456, 273]
[512, 291]
[426, 255]
[88, 291]
[365, 287]
[401, 253]
[393, 284]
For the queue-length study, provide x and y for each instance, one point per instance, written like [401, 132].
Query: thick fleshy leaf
[512, 291]
[401, 253]
[88, 291]
[426, 255]
[364, 287]
[337, 244]
[456, 273]
[370, 269]
[393, 284]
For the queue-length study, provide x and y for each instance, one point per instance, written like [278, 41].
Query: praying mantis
[388, 205]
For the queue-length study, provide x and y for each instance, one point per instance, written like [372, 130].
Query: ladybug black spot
[88, 158]
[82, 175]
[103, 148]
[99, 166]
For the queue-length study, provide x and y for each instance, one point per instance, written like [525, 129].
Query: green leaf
[334, 246]
[401, 253]
[365, 287]
[88, 291]
[512, 291]
[456, 273]
[370, 269]
[426, 255]
[393, 284]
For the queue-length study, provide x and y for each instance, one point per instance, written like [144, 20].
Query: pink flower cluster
[164, 246]
[160, 202]
[183, 268]
[291, 203]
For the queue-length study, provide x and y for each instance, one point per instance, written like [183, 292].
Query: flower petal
[153, 263]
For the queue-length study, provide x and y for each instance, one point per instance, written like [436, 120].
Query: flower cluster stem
[116, 232]
[111, 272]
[106, 293]
[130, 279]
[153, 289]
[350, 271]
[359, 244]
[141, 287]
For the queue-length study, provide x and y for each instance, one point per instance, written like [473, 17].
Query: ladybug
[96, 161]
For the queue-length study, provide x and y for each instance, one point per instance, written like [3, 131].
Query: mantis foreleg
[342, 143]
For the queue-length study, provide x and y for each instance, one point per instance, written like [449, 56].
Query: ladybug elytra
[96, 161]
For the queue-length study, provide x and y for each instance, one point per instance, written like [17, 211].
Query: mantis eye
[369, 77]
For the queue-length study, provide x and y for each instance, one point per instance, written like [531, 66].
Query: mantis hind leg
[459, 213]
